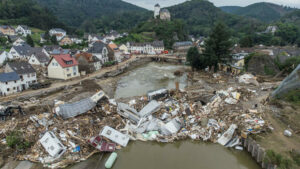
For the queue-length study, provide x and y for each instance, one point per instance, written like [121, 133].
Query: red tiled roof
[63, 59]
[85, 55]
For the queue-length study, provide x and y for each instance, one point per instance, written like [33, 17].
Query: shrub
[277, 159]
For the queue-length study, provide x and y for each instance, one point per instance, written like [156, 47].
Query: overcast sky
[150, 3]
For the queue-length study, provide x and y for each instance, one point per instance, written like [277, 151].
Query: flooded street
[179, 155]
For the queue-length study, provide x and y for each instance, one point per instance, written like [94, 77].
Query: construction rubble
[73, 132]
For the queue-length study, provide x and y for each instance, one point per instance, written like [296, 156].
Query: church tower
[156, 11]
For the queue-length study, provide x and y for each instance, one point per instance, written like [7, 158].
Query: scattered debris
[115, 136]
[111, 160]
[287, 133]
[52, 145]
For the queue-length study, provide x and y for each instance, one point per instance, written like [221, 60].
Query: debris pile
[75, 131]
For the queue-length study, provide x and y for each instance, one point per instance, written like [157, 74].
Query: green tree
[218, 46]
[29, 41]
[246, 41]
[3, 41]
[288, 32]
[195, 59]
[54, 40]
[47, 36]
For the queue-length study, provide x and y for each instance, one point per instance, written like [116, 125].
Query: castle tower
[156, 11]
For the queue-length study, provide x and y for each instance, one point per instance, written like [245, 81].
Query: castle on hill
[162, 14]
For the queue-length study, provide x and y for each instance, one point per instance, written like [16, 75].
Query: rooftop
[21, 67]
[65, 60]
[7, 77]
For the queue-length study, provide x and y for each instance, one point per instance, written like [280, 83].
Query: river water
[179, 155]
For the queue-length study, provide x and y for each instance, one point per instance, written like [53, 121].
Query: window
[8, 89]
[74, 73]
[33, 60]
[15, 81]
[69, 75]
[14, 88]
[33, 74]
[6, 82]
[68, 69]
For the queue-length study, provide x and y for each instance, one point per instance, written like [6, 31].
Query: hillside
[80, 13]
[266, 12]
[201, 15]
[27, 12]
[293, 17]
[230, 9]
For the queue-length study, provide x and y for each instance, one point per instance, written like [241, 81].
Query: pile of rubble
[75, 131]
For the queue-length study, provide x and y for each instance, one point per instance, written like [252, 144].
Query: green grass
[293, 96]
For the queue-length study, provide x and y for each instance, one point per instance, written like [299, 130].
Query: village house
[50, 48]
[156, 47]
[113, 35]
[7, 30]
[179, 46]
[58, 32]
[19, 42]
[9, 83]
[25, 71]
[60, 52]
[75, 39]
[39, 58]
[87, 62]
[21, 51]
[66, 41]
[63, 67]
[100, 50]
[123, 48]
[5, 56]
[23, 30]
[95, 38]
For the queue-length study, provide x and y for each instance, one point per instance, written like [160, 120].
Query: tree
[288, 32]
[3, 41]
[29, 41]
[54, 40]
[246, 41]
[218, 46]
[47, 36]
[298, 42]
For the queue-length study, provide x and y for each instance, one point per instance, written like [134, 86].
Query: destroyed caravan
[69, 110]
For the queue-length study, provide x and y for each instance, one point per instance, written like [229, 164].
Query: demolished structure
[98, 124]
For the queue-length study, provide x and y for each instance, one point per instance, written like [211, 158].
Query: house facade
[9, 83]
[63, 67]
[66, 41]
[23, 30]
[7, 30]
[18, 42]
[150, 48]
[186, 45]
[4, 56]
[25, 71]
[58, 32]
[39, 58]
[123, 48]
[87, 62]
[100, 50]
[21, 51]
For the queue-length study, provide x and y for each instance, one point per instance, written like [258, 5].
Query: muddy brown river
[179, 155]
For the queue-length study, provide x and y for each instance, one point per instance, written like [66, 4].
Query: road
[89, 76]
[70, 82]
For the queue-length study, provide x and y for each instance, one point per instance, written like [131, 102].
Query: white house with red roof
[63, 67]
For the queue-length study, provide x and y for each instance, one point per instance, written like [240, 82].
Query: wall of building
[13, 86]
